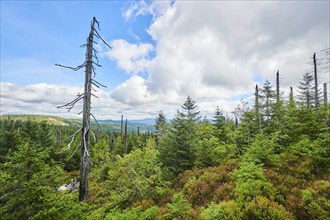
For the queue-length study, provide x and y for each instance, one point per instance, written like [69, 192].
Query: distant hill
[54, 120]
[107, 125]
[132, 125]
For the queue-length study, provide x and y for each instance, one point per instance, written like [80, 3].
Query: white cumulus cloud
[214, 51]
[217, 51]
[133, 58]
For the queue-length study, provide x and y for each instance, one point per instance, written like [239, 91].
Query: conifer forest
[267, 159]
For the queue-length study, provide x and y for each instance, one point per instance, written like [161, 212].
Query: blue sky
[163, 51]
[51, 32]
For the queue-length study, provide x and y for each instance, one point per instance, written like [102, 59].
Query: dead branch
[95, 85]
[97, 59]
[97, 22]
[94, 81]
[86, 153]
[73, 68]
[67, 147]
[93, 135]
[93, 88]
[94, 73]
[96, 64]
[95, 51]
[73, 153]
[98, 125]
[71, 104]
[94, 95]
[99, 37]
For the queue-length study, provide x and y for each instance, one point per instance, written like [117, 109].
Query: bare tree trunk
[257, 107]
[325, 93]
[125, 137]
[291, 96]
[86, 97]
[85, 148]
[121, 125]
[278, 86]
[58, 137]
[112, 143]
[315, 79]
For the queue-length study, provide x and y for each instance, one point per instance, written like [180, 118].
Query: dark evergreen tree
[28, 183]
[291, 99]
[306, 91]
[160, 124]
[9, 138]
[177, 147]
[268, 98]
[125, 137]
[219, 121]
[28, 131]
[189, 112]
[257, 108]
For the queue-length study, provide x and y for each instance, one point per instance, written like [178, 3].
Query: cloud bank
[217, 51]
[214, 51]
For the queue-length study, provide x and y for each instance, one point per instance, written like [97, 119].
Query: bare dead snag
[89, 64]
[121, 125]
[316, 83]
[278, 86]
[325, 93]
[291, 97]
[125, 137]
[257, 107]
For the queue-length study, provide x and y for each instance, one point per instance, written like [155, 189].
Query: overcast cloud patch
[217, 56]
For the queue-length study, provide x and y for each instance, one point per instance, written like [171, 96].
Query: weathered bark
[257, 107]
[86, 97]
[278, 86]
[325, 93]
[315, 80]
[58, 137]
[85, 140]
[125, 137]
[121, 125]
[291, 96]
[112, 143]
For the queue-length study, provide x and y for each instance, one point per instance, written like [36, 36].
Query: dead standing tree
[316, 82]
[278, 86]
[89, 64]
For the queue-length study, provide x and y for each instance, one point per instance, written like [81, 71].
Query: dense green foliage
[272, 164]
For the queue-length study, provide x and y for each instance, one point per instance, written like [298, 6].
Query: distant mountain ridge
[144, 125]
[139, 121]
